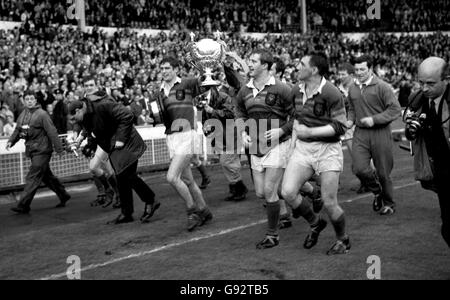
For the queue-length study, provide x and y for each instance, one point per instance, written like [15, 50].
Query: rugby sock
[339, 227]
[99, 185]
[273, 216]
[104, 181]
[202, 171]
[113, 183]
[305, 210]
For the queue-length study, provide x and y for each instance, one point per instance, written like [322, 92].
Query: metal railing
[14, 166]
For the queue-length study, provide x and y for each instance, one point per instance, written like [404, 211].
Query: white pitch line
[367, 195]
[157, 249]
[195, 239]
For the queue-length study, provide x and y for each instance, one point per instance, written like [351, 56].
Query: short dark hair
[30, 92]
[265, 57]
[74, 105]
[280, 66]
[89, 78]
[364, 58]
[320, 61]
[347, 67]
[171, 61]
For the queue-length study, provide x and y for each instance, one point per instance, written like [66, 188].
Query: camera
[414, 123]
[201, 101]
[23, 132]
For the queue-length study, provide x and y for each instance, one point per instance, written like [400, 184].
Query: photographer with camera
[35, 126]
[427, 124]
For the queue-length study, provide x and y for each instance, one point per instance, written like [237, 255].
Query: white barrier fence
[14, 165]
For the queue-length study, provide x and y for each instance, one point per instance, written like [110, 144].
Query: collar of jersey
[319, 89]
[178, 80]
[251, 85]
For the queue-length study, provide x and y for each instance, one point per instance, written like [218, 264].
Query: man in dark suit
[431, 137]
[112, 126]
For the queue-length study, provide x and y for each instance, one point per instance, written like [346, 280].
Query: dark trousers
[40, 173]
[374, 144]
[128, 181]
[442, 180]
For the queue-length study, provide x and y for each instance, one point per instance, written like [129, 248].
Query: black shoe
[232, 188]
[205, 216]
[149, 213]
[121, 219]
[269, 241]
[240, 191]
[377, 203]
[340, 247]
[116, 204]
[387, 210]
[285, 221]
[99, 201]
[21, 210]
[63, 201]
[194, 220]
[313, 237]
[362, 189]
[109, 198]
[205, 182]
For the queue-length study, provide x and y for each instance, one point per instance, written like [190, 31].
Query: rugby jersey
[179, 105]
[375, 99]
[325, 107]
[273, 102]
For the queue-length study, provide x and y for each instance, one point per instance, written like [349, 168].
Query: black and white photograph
[224, 146]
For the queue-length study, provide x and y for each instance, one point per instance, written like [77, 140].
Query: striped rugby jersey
[325, 107]
[273, 102]
[179, 104]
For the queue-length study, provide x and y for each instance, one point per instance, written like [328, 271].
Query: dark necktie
[432, 111]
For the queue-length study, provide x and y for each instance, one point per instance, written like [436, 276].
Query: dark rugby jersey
[273, 102]
[375, 99]
[326, 107]
[179, 105]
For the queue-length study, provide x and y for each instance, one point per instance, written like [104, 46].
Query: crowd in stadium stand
[234, 15]
[127, 66]
[52, 60]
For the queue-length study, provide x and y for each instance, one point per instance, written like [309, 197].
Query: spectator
[10, 125]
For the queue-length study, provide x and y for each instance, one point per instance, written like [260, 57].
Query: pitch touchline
[195, 239]
[139, 254]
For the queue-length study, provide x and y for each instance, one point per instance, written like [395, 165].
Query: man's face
[168, 72]
[59, 96]
[90, 87]
[71, 97]
[30, 101]
[305, 71]
[362, 72]
[431, 83]
[255, 66]
[343, 76]
[77, 117]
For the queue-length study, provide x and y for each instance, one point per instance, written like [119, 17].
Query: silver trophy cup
[206, 55]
